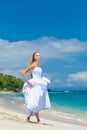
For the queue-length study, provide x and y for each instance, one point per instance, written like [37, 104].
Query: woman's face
[37, 56]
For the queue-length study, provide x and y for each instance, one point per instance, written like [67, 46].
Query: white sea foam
[66, 91]
[68, 116]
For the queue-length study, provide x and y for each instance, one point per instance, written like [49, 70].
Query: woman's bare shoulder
[33, 65]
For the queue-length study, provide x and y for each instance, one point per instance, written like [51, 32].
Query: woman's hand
[30, 83]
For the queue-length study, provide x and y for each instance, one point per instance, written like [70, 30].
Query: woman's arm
[24, 73]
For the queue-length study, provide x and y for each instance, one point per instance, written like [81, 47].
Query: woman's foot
[39, 122]
[28, 119]
[38, 119]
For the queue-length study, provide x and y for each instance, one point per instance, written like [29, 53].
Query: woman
[35, 89]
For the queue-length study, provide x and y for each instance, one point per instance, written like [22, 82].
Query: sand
[13, 120]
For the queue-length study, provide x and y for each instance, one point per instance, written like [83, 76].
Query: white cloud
[78, 77]
[68, 84]
[11, 72]
[48, 47]
[73, 46]
[57, 81]
[15, 56]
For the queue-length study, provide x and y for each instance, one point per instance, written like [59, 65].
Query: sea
[68, 104]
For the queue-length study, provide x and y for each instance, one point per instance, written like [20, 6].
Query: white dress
[36, 96]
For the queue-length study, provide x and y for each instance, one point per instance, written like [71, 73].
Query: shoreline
[10, 114]
[11, 120]
[7, 92]
[19, 106]
[64, 119]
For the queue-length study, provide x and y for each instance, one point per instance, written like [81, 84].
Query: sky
[57, 29]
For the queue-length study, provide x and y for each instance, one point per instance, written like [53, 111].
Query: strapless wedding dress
[36, 96]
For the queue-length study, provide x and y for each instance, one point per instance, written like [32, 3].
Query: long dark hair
[33, 57]
[32, 60]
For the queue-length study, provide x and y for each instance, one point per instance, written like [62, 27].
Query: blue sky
[57, 28]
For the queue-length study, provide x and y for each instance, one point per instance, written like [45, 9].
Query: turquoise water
[70, 103]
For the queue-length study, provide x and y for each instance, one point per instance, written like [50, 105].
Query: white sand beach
[13, 120]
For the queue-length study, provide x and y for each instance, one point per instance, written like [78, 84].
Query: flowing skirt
[36, 97]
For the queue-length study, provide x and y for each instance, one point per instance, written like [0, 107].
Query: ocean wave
[66, 91]
[69, 116]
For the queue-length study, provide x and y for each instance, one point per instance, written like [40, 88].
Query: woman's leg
[28, 119]
[38, 118]
[29, 113]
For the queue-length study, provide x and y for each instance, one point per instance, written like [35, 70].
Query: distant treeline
[10, 83]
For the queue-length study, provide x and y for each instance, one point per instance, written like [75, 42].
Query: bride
[35, 90]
